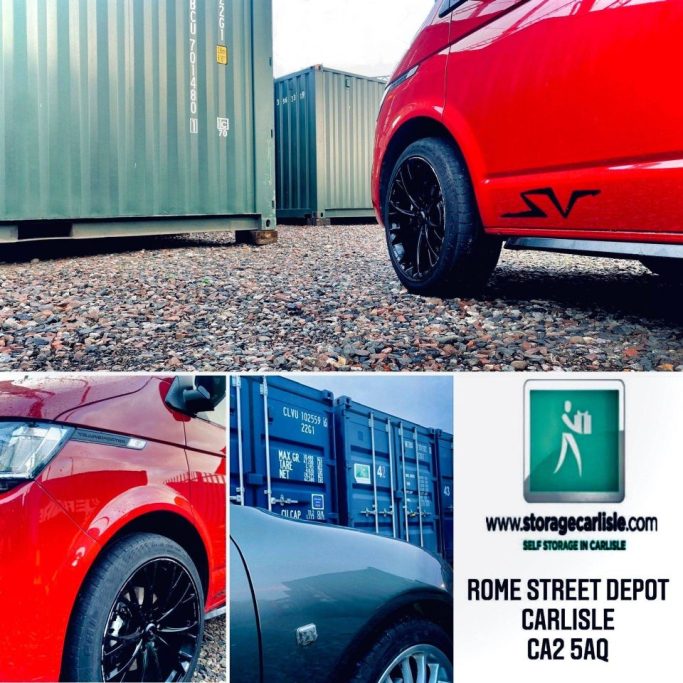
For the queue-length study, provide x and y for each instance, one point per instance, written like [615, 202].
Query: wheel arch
[411, 131]
[173, 526]
[433, 606]
[169, 524]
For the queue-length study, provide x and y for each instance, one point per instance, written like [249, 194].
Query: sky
[367, 37]
[424, 399]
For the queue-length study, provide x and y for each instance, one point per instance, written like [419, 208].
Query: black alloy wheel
[416, 218]
[153, 627]
[436, 240]
[139, 615]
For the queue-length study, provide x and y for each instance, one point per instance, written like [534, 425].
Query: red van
[112, 525]
[545, 124]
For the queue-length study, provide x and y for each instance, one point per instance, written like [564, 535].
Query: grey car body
[285, 575]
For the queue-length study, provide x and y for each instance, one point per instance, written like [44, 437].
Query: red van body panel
[52, 529]
[563, 110]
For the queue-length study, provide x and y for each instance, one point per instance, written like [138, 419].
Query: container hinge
[284, 501]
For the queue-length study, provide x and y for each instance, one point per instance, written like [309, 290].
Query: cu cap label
[574, 441]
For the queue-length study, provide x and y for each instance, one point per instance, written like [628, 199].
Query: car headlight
[26, 447]
[399, 81]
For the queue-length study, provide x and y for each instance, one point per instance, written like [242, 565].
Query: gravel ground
[321, 299]
[211, 666]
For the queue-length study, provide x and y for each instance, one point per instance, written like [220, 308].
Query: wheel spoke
[123, 669]
[407, 673]
[419, 664]
[406, 190]
[182, 629]
[170, 611]
[394, 205]
[418, 250]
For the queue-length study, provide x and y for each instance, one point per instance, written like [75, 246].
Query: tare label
[295, 465]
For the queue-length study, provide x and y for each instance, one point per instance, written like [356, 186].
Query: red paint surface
[53, 529]
[565, 94]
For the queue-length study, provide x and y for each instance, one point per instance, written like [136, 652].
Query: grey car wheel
[419, 664]
[414, 650]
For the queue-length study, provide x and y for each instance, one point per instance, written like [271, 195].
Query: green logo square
[574, 441]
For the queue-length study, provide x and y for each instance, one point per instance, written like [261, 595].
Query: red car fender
[44, 559]
[402, 107]
[138, 502]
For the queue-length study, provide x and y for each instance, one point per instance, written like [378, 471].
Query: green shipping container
[324, 137]
[128, 117]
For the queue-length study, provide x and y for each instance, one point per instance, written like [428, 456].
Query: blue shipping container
[388, 479]
[339, 462]
[294, 425]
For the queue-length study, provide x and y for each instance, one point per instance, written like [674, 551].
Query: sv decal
[536, 211]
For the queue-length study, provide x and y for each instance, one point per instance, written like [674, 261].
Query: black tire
[101, 595]
[397, 639]
[466, 254]
[668, 268]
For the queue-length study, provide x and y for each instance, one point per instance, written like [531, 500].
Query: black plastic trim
[449, 5]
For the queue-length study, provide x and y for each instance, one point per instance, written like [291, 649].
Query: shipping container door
[368, 469]
[287, 448]
[417, 472]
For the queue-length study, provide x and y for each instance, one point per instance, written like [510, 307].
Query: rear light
[26, 447]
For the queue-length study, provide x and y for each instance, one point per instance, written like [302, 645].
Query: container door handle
[284, 501]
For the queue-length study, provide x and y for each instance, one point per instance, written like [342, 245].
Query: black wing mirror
[196, 395]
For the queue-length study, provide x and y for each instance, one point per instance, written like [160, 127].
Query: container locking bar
[239, 497]
[405, 487]
[419, 486]
[371, 423]
[391, 479]
[266, 432]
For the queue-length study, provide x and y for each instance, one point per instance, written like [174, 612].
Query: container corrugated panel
[136, 109]
[388, 475]
[294, 425]
[324, 135]
[444, 449]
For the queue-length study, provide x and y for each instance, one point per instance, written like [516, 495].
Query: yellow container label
[222, 54]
